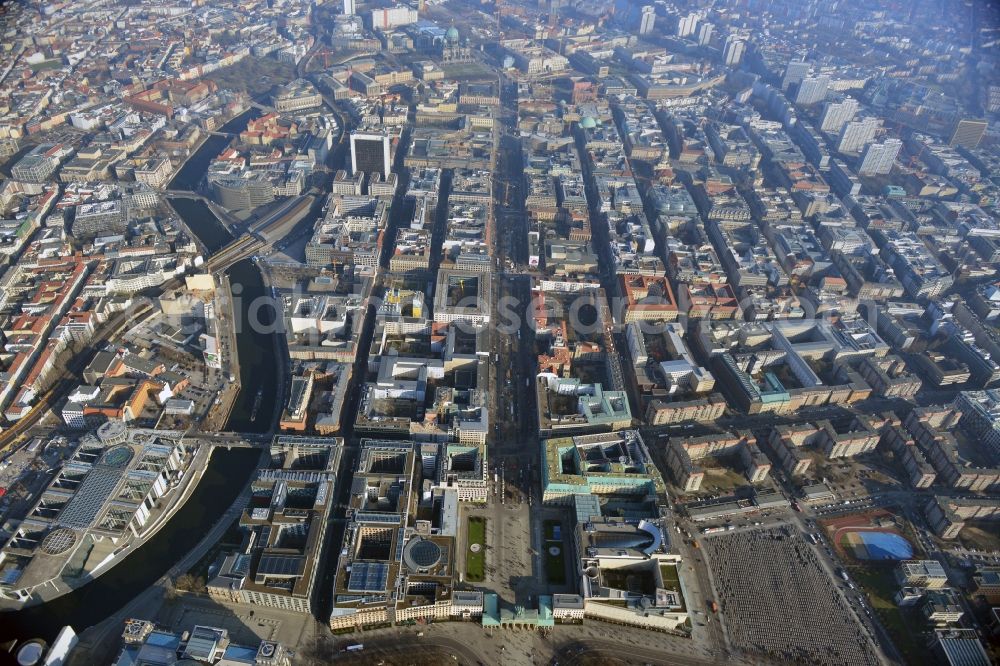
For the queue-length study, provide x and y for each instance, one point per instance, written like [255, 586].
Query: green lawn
[555, 565]
[52, 63]
[475, 563]
[671, 579]
[467, 71]
[256, 76]
[904, 627]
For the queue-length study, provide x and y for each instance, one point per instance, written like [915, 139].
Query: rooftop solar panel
[242, 565]
[86, 504]
[280, 565]
[368, 576]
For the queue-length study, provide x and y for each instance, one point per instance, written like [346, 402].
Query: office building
[878, 158]
[40, 163]
[646, 20]
[794, 73]
[286, 522]
[349, 8]
[705, 33]
[968, 133]
[981, 416]
[687, 25]
[533, 57]
[462, 296]
[242, 193]
[393, 17]
[625, 468]
[959, 647]
[155, 172]
[145, 643]
[294, 416]
[397, 558]
[942, 607]
[554, 6]
[100, 217]
[732, 54]
[107, 491]
[857, 134]
[993, 104]
[371, 153]
[986, 583]
[922, 573]
[836, 114]
[812, 90]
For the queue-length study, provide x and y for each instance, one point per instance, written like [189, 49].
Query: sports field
[870, 544]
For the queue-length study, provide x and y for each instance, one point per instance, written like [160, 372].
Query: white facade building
[879, 157]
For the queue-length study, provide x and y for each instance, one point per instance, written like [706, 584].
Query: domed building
[453, 50]
[588, 122]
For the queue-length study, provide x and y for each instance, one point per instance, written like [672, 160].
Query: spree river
[255, 321]
[225, 476]
[194, 169]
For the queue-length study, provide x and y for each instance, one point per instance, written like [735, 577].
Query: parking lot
[841, 507]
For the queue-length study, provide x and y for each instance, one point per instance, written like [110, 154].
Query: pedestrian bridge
[246, 440]
[231, 440]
